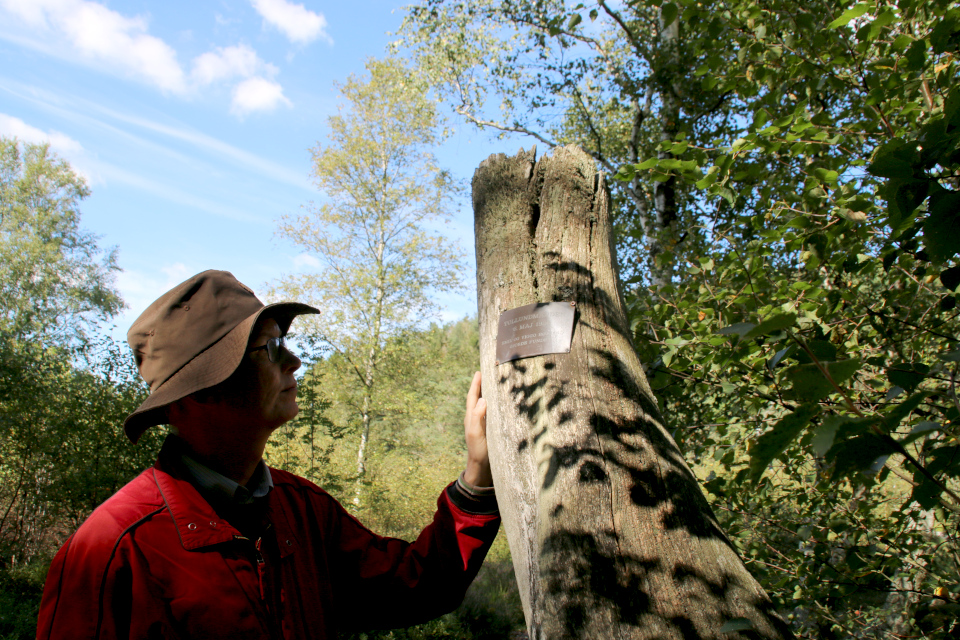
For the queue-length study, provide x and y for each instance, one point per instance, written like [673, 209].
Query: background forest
[786, 182]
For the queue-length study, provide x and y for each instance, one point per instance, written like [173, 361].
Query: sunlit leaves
[55, 281]
[854, 12]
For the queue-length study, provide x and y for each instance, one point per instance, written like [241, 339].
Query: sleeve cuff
[471, 499]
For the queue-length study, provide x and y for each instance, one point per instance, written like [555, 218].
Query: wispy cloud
[90, 33]
[72, 107]
[176, 195]
[295, 21]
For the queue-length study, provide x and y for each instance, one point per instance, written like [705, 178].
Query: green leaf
[858, 454]
[894, 159]
[940, 460]
[920, 430]
[950, 356]
[779, 355]
[575, 19]
[940, 235]
[809, 383]
[738, 329]
[944, 36]
[908, 375]
[822, 349]
[899, 412]
[772, 443]
[772, 325]
[669, 13]
[854, 12]
[826, 175]
[916, 55]
[926, 493]
[902, 41]
[824, 435]
[626, 172]
[950, 278]
[854, 561]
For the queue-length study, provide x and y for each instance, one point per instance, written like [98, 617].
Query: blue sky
[192, 122]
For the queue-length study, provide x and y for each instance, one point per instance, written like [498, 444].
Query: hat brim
[208, 368]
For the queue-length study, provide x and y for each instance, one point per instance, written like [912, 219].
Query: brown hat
[194, 337]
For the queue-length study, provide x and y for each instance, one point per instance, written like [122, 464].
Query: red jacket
[155, 561]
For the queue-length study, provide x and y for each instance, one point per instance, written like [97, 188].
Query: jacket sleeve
[389, 583]
[77, 590]
[90, 587]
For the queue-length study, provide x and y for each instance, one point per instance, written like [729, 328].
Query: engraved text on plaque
[535, 330]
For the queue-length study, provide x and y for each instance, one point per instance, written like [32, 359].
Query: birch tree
[56, 282]
[374, 234]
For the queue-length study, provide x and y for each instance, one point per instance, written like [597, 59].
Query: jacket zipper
[261, 570]
[261, 565]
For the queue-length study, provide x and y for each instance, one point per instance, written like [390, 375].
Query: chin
[289, 414]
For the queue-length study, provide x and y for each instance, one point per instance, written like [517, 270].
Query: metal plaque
[535, 330]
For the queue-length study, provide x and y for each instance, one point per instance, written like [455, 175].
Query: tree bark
[665, 193]
[610, 534]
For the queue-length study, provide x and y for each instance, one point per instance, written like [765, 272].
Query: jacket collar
[196, 522]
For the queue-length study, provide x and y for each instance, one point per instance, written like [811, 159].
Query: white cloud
[100, 35]
[59, 142]
[227, 63]
[257, 94]
[296, 22]
[89, 32]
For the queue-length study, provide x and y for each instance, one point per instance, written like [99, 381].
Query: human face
[266, 392]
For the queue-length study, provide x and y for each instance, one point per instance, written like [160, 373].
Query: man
[210, 542]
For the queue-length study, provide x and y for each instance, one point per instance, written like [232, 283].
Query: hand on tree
[477, 472]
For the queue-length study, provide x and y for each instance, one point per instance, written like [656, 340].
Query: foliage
[20, 592]
[61, 449]
[418, 416]
[811, 311]
[373, 235]
[54, 278]
[64, 391]
[827, 312]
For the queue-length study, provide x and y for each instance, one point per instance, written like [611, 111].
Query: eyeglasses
[273, 348]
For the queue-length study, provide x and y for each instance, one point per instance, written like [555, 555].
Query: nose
[289, 360]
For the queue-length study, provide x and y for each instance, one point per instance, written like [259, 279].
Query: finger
[474, 393]
[480, 411]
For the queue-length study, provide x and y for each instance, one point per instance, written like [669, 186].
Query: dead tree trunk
[610, 534]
